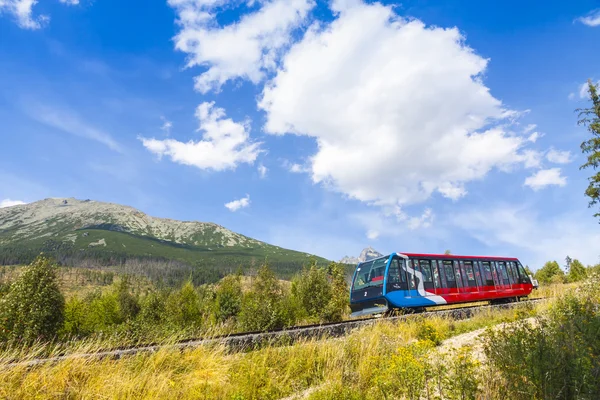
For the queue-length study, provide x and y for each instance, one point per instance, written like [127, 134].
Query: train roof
[455, 257]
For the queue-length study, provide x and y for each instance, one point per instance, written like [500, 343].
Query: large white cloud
[398, 109]
[244, 49]
[225, 143]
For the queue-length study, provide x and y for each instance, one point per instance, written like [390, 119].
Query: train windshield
[370, 273]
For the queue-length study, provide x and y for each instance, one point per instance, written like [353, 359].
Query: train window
[449, 273]
[411, 276]
[470, 274]
[510, 266]
[523, 273]
[370, 274]
[502, 269]
[426, 270]
[477, 268]
[436, 274]
[459, 281]
[487, 273]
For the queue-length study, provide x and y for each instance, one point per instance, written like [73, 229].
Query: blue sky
[319, 126]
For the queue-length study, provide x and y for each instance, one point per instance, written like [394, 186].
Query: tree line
[33, 308]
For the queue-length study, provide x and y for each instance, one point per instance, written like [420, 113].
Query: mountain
[367, 254]
[110, 234]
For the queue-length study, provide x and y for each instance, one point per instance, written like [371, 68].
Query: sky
[320, 126]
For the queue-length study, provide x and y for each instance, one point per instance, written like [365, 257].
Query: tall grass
[365, 364]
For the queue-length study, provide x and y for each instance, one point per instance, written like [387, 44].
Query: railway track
[250, 340]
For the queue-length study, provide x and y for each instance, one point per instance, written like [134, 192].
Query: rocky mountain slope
[85, 229]
[367, 254]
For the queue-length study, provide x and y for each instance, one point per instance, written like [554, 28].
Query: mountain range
[76, 230]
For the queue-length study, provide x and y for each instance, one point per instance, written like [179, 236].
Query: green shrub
[264, 306]
[228, 298]
[321, 293]
[33, 308]
[558, 356]
[183, 308]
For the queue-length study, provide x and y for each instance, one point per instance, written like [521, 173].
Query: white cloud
[541, 238]
[22, 11]
[558, 157]
[69, 122]
[296, 168]
[423, 221]
[592, 19]
[398, 109]
[166, 126]
[534, 137]
[529, 128]
[583, 90]
[225, 143]
[9, 203]
[262, 171]
[545, 177]
[244, 49]
[238, 204]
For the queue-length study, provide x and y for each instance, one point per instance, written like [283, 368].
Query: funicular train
[415, 281]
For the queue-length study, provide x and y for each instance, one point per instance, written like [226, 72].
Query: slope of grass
[350, 367]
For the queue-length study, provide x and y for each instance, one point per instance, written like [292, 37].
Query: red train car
[412, 280]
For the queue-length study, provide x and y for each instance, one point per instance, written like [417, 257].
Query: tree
[568, 261]
[550, 273]
[590, 117]
[228, 299]
[447, 252]
[265, 305]
[528, 271]
[577, 271]
[128, 303]
[34, 307]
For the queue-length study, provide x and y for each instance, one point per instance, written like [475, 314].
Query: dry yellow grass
[214, 373]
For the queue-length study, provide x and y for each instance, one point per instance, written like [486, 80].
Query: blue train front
[415, 281]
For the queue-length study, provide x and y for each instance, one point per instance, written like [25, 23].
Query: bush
[228, 298]
[321, 293]
[264, 306]
[33, 308]
[183, 308]
[558, 356]
[428, 331]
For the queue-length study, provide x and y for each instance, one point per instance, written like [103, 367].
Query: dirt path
[472, 339]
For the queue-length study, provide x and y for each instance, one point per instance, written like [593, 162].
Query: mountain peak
[367, 254]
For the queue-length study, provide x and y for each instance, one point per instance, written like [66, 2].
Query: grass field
[270, 373]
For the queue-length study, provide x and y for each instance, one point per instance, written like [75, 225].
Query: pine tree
[590, 117]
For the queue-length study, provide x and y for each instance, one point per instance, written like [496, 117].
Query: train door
[396, 279]
[447, 269]
[513, 274]
[428, 284]
[437, 277]
[503, 275]
[468, 276]
[460, 280]
[488, 276]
